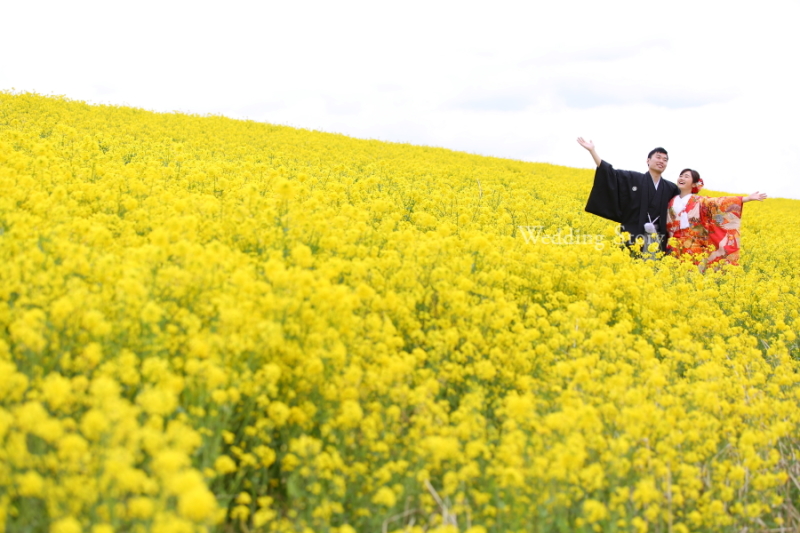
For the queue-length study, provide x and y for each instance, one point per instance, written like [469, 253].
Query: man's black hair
[658, 150]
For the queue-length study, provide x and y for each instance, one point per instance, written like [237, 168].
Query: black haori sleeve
[606, 198]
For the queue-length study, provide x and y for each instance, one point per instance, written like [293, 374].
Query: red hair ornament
[697, 186]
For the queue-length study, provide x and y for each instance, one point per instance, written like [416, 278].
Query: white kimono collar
[679, 206]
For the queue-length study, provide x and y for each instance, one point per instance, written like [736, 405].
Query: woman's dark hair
[658, 150]
[695, 174]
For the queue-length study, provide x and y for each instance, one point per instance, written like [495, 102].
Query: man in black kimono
[636, 201]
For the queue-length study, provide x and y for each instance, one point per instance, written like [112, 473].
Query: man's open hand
[589, 145]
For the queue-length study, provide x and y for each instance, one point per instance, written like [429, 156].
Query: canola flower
[220, 325]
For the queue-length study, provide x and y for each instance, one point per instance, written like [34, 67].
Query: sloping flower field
[219, 325]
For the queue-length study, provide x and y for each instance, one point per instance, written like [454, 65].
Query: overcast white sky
[716, 84]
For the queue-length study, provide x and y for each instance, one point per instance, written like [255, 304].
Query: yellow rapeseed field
[219, 325]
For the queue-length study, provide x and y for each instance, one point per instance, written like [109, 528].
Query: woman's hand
[755, 196]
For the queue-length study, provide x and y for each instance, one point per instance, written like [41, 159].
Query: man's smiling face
[658, 162]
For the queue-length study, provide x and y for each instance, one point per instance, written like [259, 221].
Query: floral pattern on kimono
[713, 228]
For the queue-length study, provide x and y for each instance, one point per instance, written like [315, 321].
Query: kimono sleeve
[608, 196]
[722, 217]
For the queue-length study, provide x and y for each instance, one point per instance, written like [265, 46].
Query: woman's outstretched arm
[756, 196]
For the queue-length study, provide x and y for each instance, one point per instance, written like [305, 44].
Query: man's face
[657, 162]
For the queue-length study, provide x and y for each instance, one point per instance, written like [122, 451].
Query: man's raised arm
[604, 198]
[589, 145]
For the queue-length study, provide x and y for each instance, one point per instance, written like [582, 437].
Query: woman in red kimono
[699, 225]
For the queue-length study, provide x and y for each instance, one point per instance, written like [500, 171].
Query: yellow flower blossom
[224, 465]
[385, 496]
[66, 525]
[197, 504]
[30, 484]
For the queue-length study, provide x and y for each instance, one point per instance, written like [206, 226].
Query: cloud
[583, 93]
[598, 53]
[343, 106]
[497, 102]
[259, 108]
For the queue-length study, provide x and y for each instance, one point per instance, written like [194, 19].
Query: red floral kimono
[705, 225]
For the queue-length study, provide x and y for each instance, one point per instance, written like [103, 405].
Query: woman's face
[685, 182]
